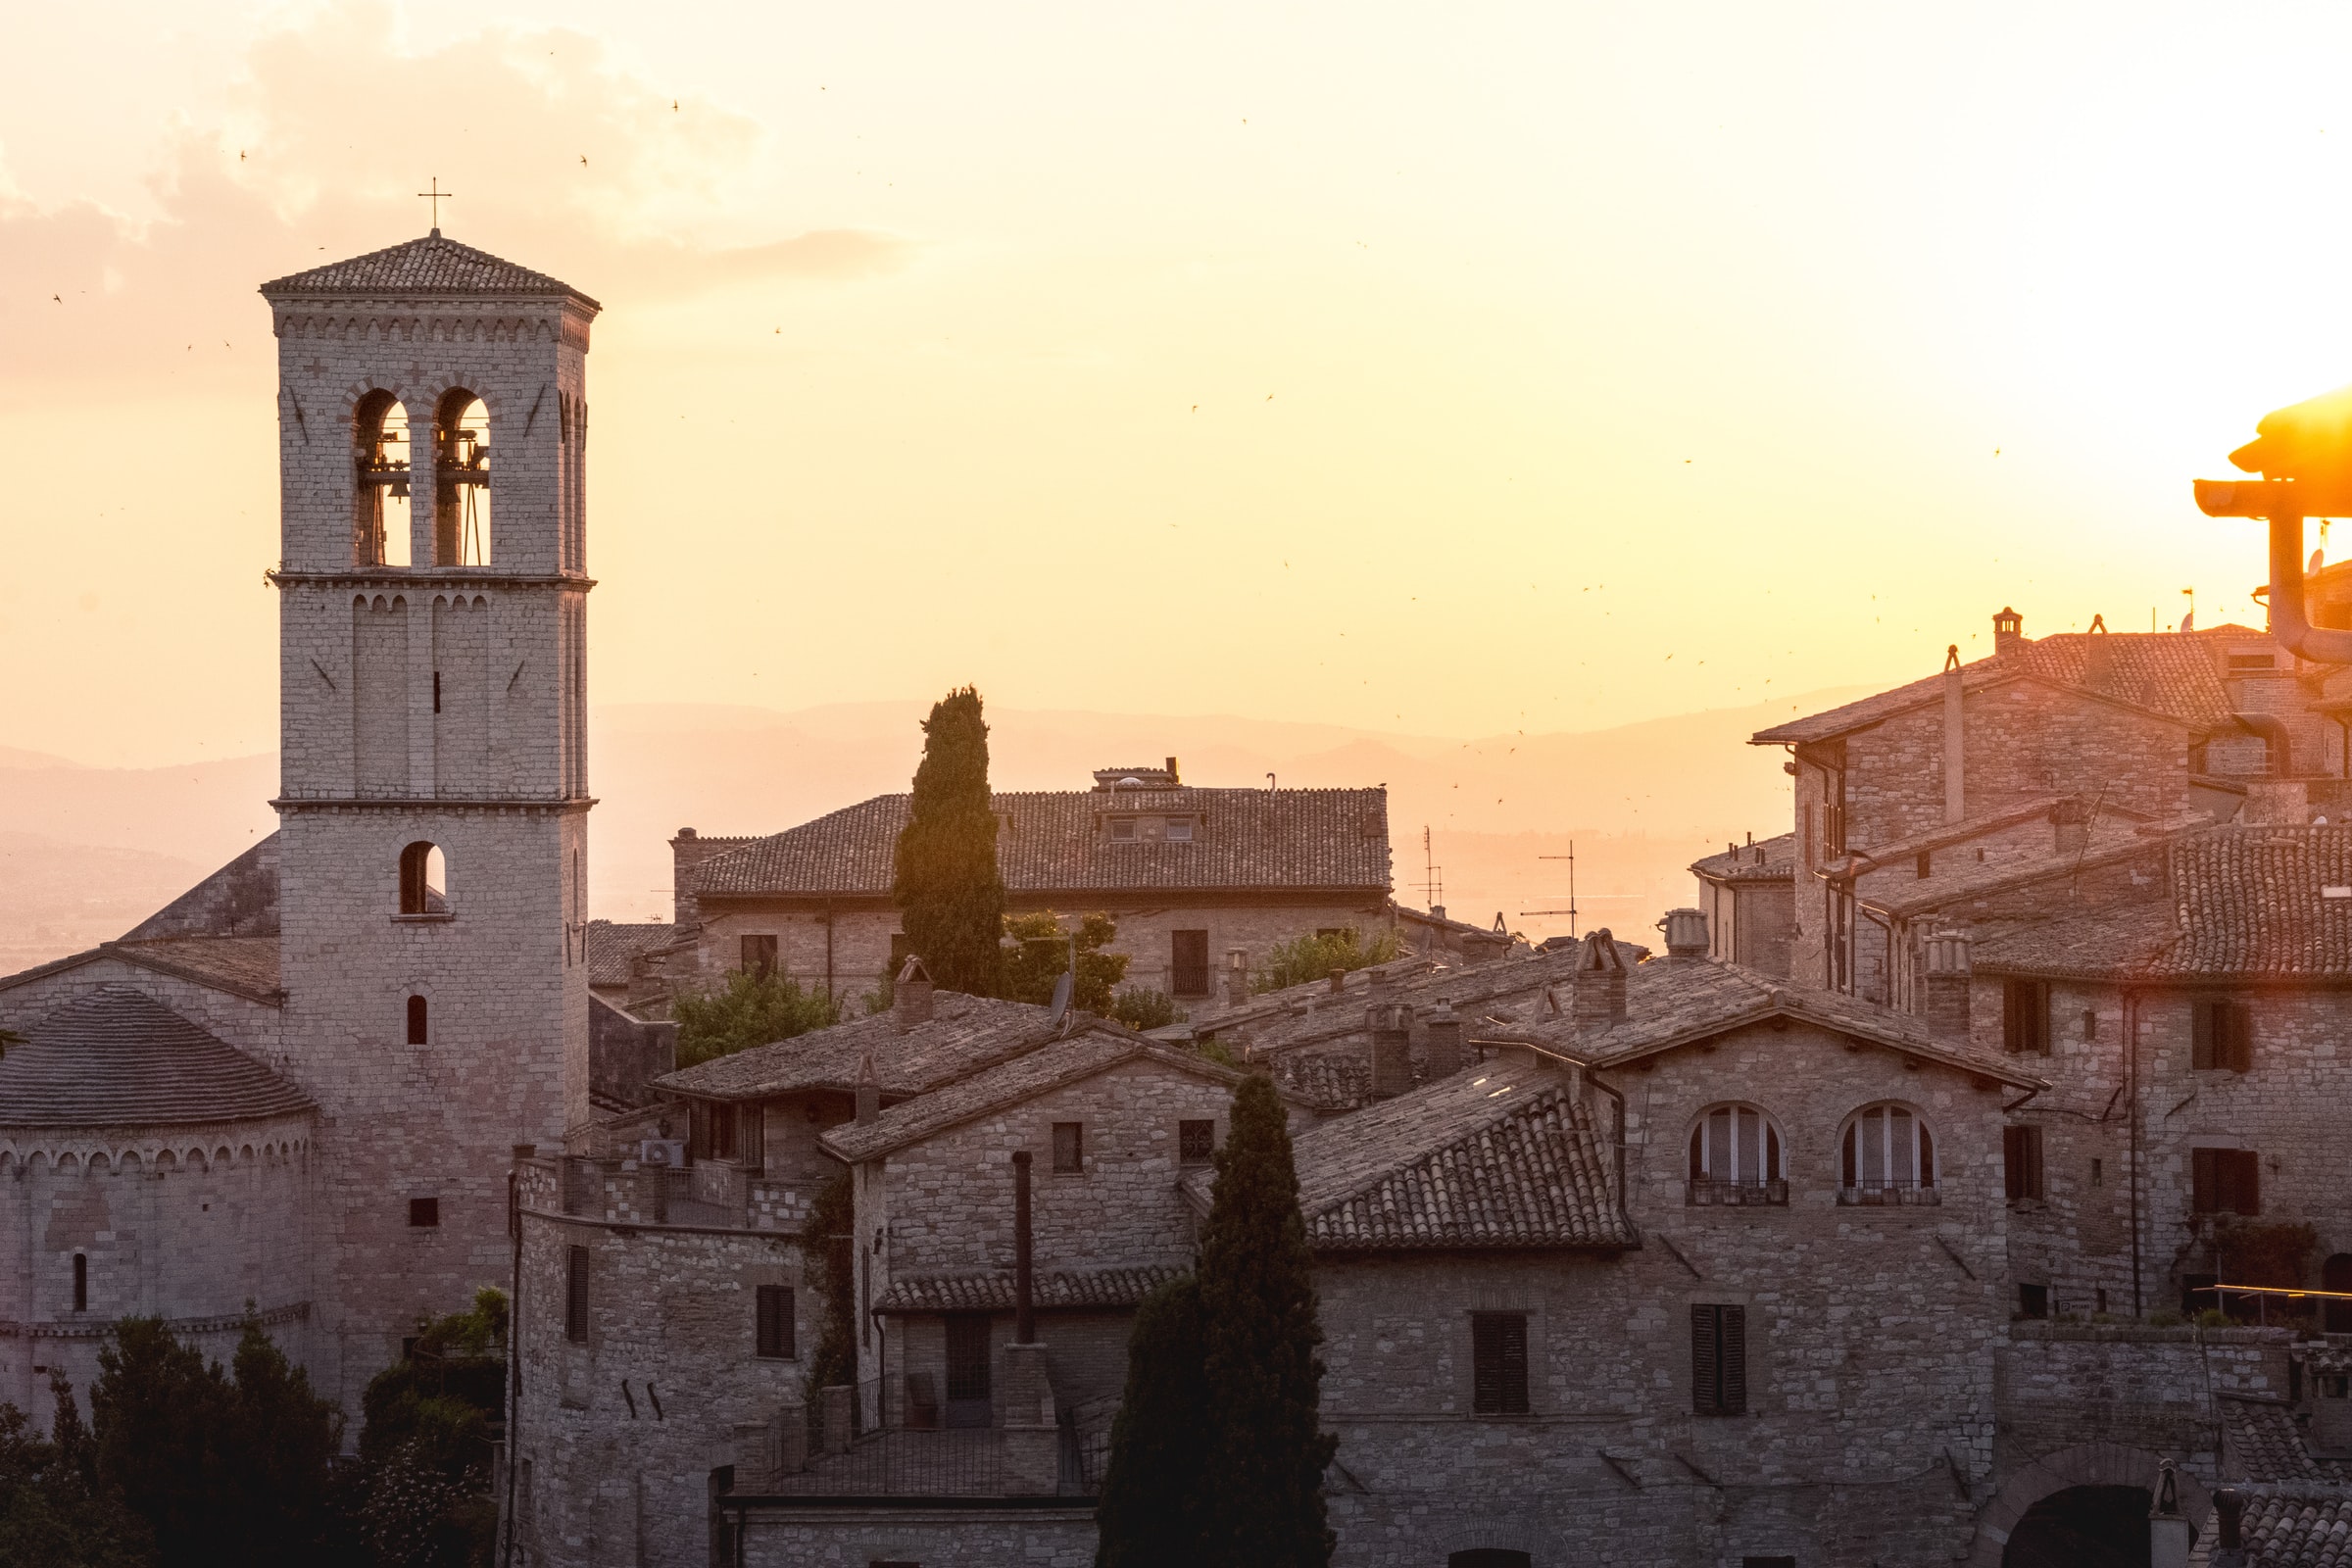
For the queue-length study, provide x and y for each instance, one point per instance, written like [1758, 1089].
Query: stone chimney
[1946, 986]
[1378, 981]
[1392, 1026]
[870, 1090]
[2170, 1534]
[1236, 977]
[1339, 981]
[910, 995]
[1599, 982]
[1686, 933]
[2008, 632]
[2069, 826]
[1444, 1048]
[2098, 657]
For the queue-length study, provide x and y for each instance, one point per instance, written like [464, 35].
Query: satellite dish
[1061, 996]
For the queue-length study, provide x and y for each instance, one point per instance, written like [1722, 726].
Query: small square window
[424, 1212]
[773, 1327]
[1070, 1147]
[1122, 830]
[759, 955]
[1180, 830]
[2032, 1300]
[1196, 1142]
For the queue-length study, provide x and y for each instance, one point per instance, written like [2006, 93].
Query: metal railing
[1704, 1194]
[886, 1444]
[1887, 1195]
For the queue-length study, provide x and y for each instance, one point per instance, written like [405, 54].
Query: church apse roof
[116, 1056]
[431, 267]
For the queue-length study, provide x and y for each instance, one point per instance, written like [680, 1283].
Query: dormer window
[1180, 830]
[1122, 830]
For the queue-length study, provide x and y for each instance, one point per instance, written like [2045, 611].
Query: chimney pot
[1339, 981]
[870, 1090]
[1599, 982]
[1444, 1048]
[1391, 1024]
[1686, 933]
[2008, 630]
[1946, 985]
[910, 995]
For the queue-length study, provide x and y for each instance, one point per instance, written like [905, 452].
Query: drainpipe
[2276, 501]
[2132, 1097]
[1955, 739]
[522, 1152]
[1024, 1307]
[1624, 1212]
[2278, 751]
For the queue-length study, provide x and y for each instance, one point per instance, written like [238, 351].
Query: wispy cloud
[560, 156]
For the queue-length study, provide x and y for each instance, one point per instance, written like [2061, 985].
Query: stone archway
[2091, 1464]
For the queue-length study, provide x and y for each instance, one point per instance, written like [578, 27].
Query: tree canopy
[1150, 1512]
[752, 1008]
[1314, 957]
[946, 884]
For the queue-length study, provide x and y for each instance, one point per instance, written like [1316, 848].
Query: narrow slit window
[419, 1031]
[82, 1282]
[575, 1295]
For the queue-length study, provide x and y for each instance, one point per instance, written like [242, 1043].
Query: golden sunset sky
[1444, 369]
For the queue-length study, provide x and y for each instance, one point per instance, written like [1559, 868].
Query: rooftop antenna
[1433, 875]
[1569, 912]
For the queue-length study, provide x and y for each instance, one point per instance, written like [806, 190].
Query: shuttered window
[759, 955]
[2026, 1018]
[576, 1296]
[1070, 1147]
[2222, 1036]
[1188, 963]
[2225, 1181]
[1719, 1359]
[2021, 1162]
[1499, 1363]
[775, 1333]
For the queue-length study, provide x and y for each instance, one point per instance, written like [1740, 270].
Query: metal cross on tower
[436, 196]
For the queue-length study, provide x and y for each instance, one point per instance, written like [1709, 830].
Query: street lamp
[2304, 454]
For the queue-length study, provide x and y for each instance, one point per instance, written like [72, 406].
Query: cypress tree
[1262, 1373]
[1152, 1493]
[946, 884]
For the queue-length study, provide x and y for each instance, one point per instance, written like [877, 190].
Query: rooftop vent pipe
[1956, 740]
[2304, 453]
[1686, 933]
[910, 995]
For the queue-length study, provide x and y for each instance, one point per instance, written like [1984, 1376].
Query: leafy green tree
[52, 1510]
[1154, 1491]
[282, 1438]
[825, 1244]
[1314, 957]
[752, 1008]
[1039, 956]
[946, 885]
[1260, 1367]
[1141, 1007]
[426, 1441]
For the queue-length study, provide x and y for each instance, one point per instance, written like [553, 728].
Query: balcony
[1704, 1194]
[1887, 1195]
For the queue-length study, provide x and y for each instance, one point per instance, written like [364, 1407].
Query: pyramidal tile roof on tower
[116, 1056]
[432, 265]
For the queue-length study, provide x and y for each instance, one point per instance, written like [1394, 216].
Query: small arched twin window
[1885, 1155]
[1736, 1158]
[424, 879]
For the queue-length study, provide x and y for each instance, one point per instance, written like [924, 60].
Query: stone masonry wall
[2059, 1385]
[253, 1027]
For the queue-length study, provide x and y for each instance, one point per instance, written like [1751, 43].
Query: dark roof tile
[116, 1056]
[429, 267]
[994, 1293]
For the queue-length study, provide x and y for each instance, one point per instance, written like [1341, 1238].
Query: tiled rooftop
[1772, 859]
[2283, 1530]
[1093, 1046]
[966, 1034]
[1501, 1157]
[612, 945]
[994, 1293]
[2245, 902]
[240, 900]
[432, 265]
[1247, 839]
[2165, 673]
[1955, 877]
[244, 967]
[2264, 1444]
[115, 1056]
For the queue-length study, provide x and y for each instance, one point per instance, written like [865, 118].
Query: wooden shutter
[775, 1324]
[2200, 1034]
[1706, 1372]
[2033, 1161]
[1734, 1358]
[2242, 1180]
[1498, 1362]
[2013, 1162]
[2205, 1181]
[2233, 1046]
[576, 1296]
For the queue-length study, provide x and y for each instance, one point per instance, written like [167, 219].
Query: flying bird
[61, 299]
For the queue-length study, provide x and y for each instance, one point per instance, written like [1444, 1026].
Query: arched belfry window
[424, 879]
[1887, 1156]
[461, 480]
[1736, 1158]
[379, 527]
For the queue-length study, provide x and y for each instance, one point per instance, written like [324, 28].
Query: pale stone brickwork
[616, 1435]
[2063, 1383]
[438, 703]
[190, 1224]
[257, 1028]
[860, 938]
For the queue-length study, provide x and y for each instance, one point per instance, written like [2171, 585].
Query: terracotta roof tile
[116, 1056]
[2264, 1444]
[1336, 839]
[2284, 1530]
[432, 265]
[994, 1293]
[964, 1034]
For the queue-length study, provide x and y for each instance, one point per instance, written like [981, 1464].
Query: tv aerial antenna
[1569, 912]
[1433, 875]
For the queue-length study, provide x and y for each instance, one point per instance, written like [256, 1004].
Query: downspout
[2278, 751]
[828, 949]
[513, 1351]
[1624, 1212]
[2276, 501]
[2131, 1097]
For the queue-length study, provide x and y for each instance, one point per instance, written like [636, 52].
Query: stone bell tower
[433, 799]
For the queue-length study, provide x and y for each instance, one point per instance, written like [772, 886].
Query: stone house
[1748, 894]
[1201, 881]
[2192, 1039]
[2034, 746]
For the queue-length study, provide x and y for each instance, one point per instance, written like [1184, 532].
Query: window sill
[423, 919]
[1889, 1197]
[1735, 1195]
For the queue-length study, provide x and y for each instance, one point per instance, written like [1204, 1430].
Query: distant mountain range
[88, 852]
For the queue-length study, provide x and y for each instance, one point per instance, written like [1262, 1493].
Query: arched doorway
[2083, 1527]
[2086, 1467]
[1490, 1558]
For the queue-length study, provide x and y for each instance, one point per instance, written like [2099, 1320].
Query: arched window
[461, 480]
[379, 525]
[424, 879]
[82, 1282]
[1887, 1156]
[419, 1034]
[1736, 1158]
